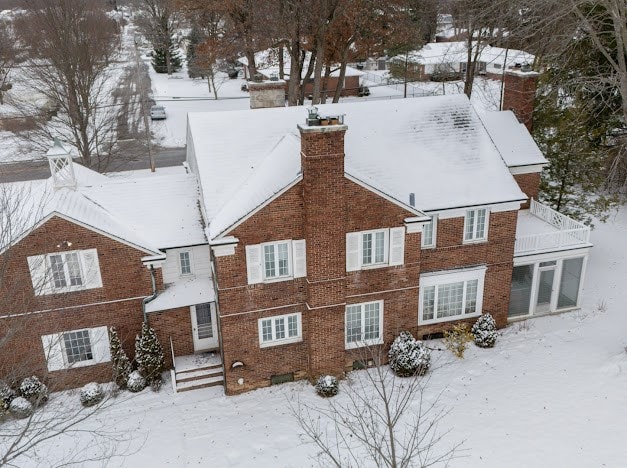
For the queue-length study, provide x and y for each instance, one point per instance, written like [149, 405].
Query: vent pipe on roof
[412, 199]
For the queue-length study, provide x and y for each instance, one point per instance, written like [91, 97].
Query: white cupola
[61, 167]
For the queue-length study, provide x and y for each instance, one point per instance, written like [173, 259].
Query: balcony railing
[564, 232]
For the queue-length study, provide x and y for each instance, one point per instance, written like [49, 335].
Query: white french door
[204, 326]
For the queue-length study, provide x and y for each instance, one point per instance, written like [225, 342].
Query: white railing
[569, 232]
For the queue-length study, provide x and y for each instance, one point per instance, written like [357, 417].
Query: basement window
[282, 378]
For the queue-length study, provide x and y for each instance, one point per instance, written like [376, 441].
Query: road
[29, 170]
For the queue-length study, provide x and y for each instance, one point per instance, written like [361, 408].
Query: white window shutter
[53, 351]
[353, 253]
[397, 245]
[253, 264]
[37, 267]
[91, 269]
[100, 348]
[299, 253]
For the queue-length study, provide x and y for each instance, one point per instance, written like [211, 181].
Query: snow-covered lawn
[553, 392]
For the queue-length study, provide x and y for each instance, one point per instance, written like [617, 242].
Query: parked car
[363, 91]
[157, 112]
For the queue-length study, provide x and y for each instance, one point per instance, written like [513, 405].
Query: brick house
[296, 239]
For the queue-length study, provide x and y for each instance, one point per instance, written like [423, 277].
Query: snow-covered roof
[512, 139]
[150, 213]
[435, 147]
[456, 52]
[182, 294]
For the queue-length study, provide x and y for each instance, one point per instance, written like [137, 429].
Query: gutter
[153, 296]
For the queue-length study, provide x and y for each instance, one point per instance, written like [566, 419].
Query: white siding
[201, 265]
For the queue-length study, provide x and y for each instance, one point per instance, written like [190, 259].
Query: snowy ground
[552, 393]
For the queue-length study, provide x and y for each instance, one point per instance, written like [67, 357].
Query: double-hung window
[374, 247]
[429, 233]
[476, 225]
[185, 262]
[450, 296]
[281, 329]
[276, 260]
[76, 348]
[65, 271]
[364, 324]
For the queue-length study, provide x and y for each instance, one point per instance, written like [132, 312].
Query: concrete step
[199, 374]
[199, 369]
[199, 383]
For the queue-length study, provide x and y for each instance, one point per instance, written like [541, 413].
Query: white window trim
[434, 237]
[290, 260]
[474, 239]
[282, 341]
[56, 355]
[191, 263]
[66, 271]
[362, 343]
[442, 278]
[386, 248]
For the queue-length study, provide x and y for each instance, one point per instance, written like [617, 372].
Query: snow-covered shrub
[457, 339]
[135, 383]
[6, 396]
[21, 408]
[484, 331]
[327, 386]
[409, 356]
[149, 355]
[33, 390]
[92, 394]
[121, 365]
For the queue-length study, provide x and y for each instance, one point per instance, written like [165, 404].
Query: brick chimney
[519, 92]
[322, 162]
[266, 93]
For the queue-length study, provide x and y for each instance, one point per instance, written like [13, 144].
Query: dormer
[61, 167]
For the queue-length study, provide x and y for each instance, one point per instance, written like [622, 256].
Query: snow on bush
[21, 408]
[120, 362]
[91, 394]
[409, 356]
[33, 390]
[149, 356]
[6, 396]
[135, 383]
[327, 386]
[484, 331]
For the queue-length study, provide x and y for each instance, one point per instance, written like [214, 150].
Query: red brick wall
[530, 184]
[123, 277]
[519, 92]
[175, 323]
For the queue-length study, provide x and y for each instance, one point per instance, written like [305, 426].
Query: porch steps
[202, 377]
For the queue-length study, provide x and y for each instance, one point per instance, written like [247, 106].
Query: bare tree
[378, 419]
[158, 20]
[71, 46]
[8, 57]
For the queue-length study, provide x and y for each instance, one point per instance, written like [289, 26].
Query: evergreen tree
[121, 365]
[159, 57]
[194, 39]
[149, 356]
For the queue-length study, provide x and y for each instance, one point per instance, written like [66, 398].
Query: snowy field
[552, 393]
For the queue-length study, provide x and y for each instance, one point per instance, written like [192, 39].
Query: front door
[544, 294]
[204, 327]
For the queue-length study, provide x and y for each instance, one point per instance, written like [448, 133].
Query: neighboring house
[267, 63]
[449, 60]
[323, 233]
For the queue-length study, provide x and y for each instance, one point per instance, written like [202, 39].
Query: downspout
[146, 300]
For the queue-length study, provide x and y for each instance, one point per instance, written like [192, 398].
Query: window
[376, 248]
[276, 261]
[364, 324]
[76, 348]
[65, 271]
[279, 330]
[476, 225]
[185, 261]
[570, 282]
[451, 296]
[429, 232]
